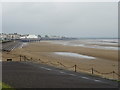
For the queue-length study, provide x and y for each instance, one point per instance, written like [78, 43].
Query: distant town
[30, 37]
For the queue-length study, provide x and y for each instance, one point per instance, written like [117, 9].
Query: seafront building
[29, 37]
[4, 36]
[11, 36]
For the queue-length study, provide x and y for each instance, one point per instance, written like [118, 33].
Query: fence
[75, 67]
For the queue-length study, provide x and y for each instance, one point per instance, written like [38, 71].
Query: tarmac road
[33, 75]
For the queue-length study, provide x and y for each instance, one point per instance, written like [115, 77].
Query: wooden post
[31, 58]
[75, 67]
[92, 71]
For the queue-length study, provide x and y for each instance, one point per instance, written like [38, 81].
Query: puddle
[74, 55]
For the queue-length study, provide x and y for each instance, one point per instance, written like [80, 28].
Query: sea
[108, 44]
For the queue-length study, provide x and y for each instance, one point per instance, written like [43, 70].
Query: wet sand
[105, 60]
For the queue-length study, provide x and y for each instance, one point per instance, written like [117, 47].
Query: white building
[29, 37]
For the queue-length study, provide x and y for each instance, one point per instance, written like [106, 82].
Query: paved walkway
[32, 75]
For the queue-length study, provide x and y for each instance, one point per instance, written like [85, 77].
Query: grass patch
[5, 86]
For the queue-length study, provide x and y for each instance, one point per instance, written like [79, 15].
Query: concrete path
[33, 75]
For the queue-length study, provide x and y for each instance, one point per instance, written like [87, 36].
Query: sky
[71, 19]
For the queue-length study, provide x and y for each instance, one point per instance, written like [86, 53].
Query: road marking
[97, 81]
[85, 77]
[72, 74]
[46, 68]
[63, 72]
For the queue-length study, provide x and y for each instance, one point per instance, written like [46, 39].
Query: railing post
[31, 58]
[92, 71]
[75, 67]
[39, 59]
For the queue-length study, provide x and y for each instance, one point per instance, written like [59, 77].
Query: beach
[69, 53]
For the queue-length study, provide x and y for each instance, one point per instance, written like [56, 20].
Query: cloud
[69, 19]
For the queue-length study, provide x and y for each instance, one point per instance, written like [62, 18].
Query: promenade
[34, 75]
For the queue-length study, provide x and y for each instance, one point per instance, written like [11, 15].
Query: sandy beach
[102, 60]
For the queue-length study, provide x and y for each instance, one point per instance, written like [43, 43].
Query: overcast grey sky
[73, 19]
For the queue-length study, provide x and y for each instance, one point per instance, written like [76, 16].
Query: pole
[92, 71]
[75, 67]
[31, 58]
